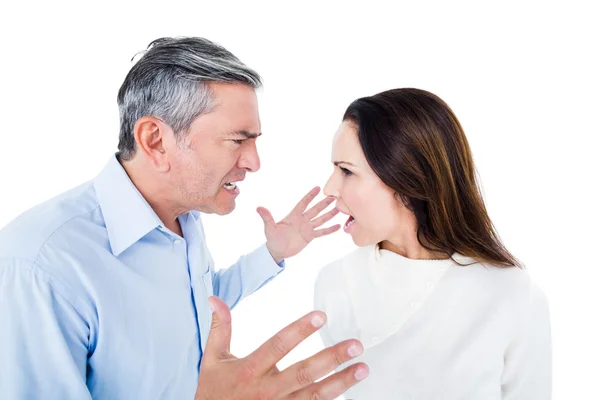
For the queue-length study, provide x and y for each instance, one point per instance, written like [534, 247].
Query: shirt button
[413, 305]
[177, 241]
[429, 285]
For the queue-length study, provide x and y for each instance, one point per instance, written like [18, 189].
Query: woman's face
[374, 213]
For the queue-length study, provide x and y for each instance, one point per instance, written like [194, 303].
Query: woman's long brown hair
[416, 145]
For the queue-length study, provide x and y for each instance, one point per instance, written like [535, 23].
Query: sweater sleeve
[528, 359]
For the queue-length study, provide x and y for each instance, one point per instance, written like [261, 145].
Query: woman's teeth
[349, 222]
[230, 185]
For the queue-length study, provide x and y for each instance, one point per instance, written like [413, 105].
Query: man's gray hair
[170, 82]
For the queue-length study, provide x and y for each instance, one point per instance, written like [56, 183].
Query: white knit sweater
[435, 330]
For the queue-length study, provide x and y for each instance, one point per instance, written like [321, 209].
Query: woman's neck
[411, 249]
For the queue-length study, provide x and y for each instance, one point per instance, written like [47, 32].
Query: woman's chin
[361, 241]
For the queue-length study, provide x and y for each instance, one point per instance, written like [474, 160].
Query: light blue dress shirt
[99, 300]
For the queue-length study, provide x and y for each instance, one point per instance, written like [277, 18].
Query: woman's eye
[346, 171]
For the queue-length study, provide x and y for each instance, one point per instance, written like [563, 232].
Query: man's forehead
[232, 95]
[237, 119]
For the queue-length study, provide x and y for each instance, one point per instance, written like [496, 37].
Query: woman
[442, 308]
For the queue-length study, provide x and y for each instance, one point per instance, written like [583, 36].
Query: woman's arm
[528, 360]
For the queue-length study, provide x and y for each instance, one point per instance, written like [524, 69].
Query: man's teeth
[230, 185]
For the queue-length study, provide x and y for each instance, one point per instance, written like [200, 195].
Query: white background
[522, 78]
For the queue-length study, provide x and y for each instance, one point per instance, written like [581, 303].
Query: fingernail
[317, 321]
[361, 373]
[355, 350]
[210, 303]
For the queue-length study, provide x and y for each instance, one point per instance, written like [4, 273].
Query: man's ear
[149, 133]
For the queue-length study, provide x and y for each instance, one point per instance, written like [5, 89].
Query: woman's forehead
[345, 144]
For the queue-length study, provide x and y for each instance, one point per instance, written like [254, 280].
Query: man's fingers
[326, 231]
[219, 337]
[274, 349]
[306, 372]
[324, 218]
[317, 208]
[301, 206]
[265, 215]
[333, 386]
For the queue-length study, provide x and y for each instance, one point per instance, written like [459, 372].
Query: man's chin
[224, 212]
[224, 209]
[219, 208]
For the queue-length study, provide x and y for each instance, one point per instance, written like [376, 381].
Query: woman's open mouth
[348, 223]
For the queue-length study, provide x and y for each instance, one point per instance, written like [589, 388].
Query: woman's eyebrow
[336, 163]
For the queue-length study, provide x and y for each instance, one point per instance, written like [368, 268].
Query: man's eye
[238, 141]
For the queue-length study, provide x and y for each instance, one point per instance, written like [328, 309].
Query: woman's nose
[330, 188]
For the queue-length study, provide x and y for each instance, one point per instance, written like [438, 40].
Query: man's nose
[249, 160]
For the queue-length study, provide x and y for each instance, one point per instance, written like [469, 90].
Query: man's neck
[154, 193]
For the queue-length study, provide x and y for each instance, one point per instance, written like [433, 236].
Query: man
[104, 290]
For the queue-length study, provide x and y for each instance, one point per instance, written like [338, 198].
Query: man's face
[217, 151]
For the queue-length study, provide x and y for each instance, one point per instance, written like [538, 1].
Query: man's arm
[43, 338]
[248, 274]
[285, 239]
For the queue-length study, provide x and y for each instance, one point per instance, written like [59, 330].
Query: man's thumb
[219, 337]
[266, 216]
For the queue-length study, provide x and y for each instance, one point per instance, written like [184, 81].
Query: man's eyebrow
[336, 163]
[246, 134]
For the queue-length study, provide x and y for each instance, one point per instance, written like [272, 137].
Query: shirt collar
[127, 215]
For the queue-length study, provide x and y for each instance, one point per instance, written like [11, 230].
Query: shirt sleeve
[248, 274]
[528, 360]
[43, 339]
